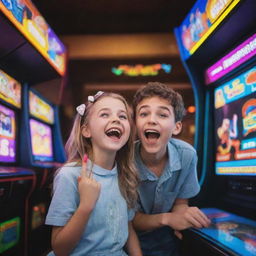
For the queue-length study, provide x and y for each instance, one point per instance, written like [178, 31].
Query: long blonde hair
[77, 145]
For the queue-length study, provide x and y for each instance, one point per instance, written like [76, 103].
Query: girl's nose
[115, 119]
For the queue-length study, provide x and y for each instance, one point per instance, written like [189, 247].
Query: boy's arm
[147, 222]
[132, 244]
[181, 217]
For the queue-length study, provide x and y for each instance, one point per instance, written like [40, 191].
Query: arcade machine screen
[41, 141]
[235, 233]
[235, 125]
[41, 129]
[7, 135]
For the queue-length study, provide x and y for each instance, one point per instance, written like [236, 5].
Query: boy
[167, 170]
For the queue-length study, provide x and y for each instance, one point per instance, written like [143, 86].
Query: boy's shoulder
[181, 145]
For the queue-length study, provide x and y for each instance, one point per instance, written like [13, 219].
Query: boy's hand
[186, 217]
[195, 217]
[89, 188]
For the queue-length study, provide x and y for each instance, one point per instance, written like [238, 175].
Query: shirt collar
[101, 171]
[174, 163]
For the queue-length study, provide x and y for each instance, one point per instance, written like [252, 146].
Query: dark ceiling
[98, 17]
[113, 16]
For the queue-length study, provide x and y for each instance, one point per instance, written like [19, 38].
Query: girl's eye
[123, 117]
[104, 114]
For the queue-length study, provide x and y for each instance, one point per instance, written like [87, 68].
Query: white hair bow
[80, 109]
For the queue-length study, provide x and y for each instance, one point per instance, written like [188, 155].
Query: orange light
[35, 208]
[191, 109]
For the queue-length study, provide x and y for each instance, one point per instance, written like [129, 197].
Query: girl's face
[155, 123]
[108, 125]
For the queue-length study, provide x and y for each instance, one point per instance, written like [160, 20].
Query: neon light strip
[212, 28]
[235, 58]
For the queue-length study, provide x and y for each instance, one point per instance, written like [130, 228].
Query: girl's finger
[84, 164]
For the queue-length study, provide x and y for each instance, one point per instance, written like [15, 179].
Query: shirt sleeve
[190, 186]
[131, 214]
[65, 199]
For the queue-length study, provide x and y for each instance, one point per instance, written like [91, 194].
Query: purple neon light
[232, 60]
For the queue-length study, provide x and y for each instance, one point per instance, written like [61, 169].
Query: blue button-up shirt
[157, 194]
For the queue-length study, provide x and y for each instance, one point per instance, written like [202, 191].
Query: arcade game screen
[7, 135]
[235, 125]
[236, 233]
[41, 141]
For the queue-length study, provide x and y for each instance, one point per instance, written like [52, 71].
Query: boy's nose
[152, 119]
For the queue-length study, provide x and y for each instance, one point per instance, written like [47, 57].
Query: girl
[89, 209]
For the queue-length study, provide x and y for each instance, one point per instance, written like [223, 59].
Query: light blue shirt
[107, 229]
[157, 194]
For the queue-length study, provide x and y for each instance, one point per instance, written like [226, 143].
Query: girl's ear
[177, 129]
[86, 131]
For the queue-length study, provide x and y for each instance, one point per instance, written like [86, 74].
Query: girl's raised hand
[89, 188]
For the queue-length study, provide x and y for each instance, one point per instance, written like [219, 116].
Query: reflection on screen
[235, 232]
[41, 140]
[7, 135]
[235, 125]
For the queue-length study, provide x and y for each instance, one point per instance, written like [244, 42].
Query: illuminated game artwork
[236, 233]
[202, 20]
[10, 90]
[41, 140]
[9, 233]
[235, 125]
[7, 134]
[25, 16]
[40, 109]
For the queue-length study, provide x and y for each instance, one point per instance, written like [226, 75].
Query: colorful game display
[41, 140]
[7, 135]
[235, 120]
[236, 233]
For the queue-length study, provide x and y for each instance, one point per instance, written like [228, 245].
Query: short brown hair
[156, 89]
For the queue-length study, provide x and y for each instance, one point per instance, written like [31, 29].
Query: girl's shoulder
[72, 169]
[72, 164]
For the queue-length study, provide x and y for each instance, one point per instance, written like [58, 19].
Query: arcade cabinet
[217, 43]
[43, 151]
[16, 183]
[32, 54]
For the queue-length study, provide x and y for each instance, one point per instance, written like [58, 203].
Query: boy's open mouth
[151, 134]
[114, 133]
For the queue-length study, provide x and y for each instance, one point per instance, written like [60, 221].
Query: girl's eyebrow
[108, 109]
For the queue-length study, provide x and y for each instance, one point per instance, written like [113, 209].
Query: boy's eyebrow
[161, 107]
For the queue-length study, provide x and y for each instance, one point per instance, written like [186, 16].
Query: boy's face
[155, 123]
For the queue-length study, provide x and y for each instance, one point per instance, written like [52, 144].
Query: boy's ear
[86, 131]
[178, 127]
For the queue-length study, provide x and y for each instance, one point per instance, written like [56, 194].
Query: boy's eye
[163, 115]
[143, 114]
